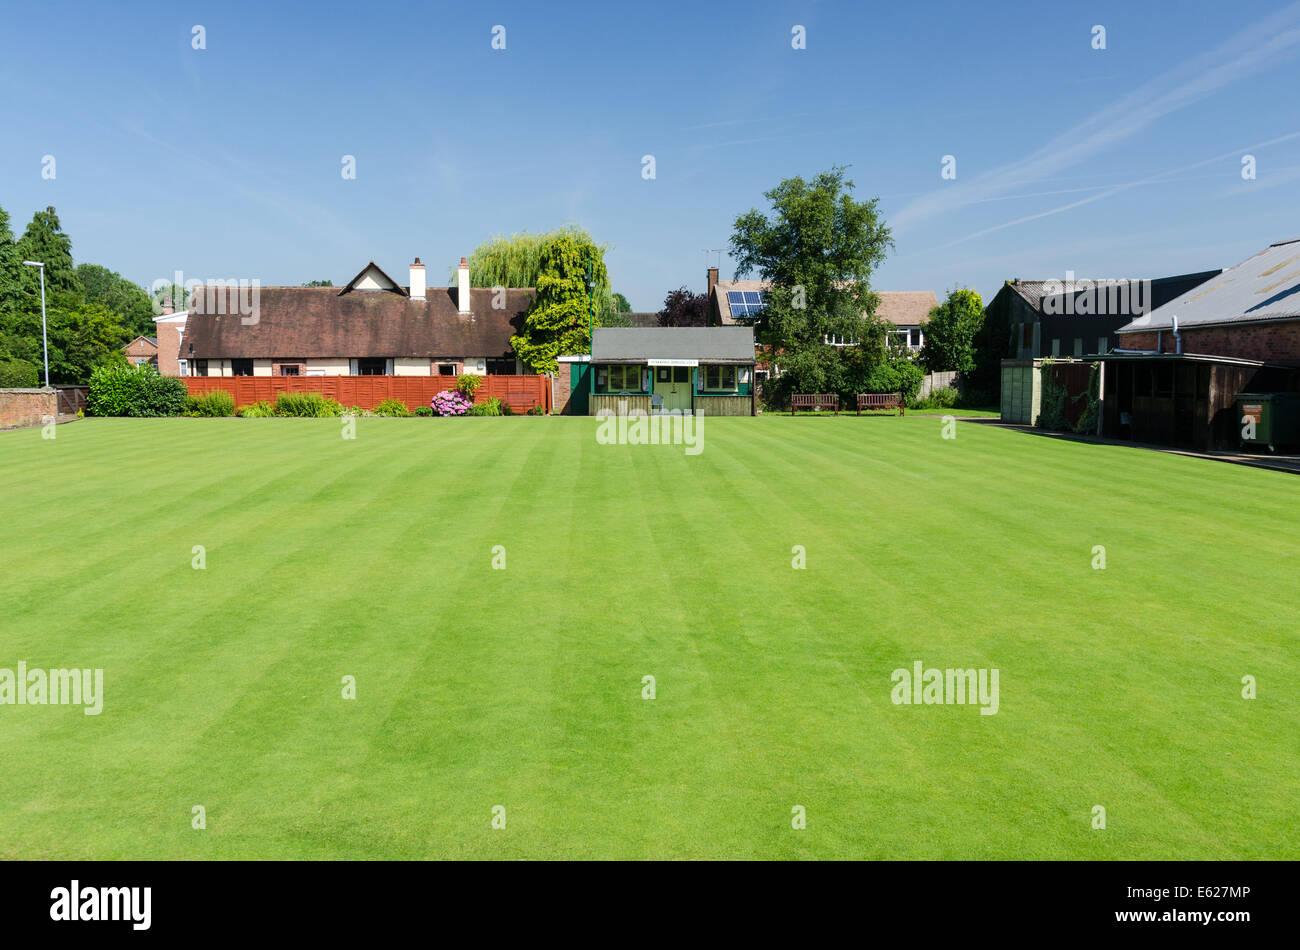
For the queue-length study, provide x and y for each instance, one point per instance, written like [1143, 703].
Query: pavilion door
[673, 383]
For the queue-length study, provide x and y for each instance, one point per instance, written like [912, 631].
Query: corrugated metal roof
[612, 344]
[1265, 287]
[1036, 291]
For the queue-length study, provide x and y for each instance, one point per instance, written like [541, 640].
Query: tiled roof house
[371, 326]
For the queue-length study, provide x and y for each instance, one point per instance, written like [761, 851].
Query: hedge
[134, 391]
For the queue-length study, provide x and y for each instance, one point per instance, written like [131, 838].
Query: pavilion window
[720, 378]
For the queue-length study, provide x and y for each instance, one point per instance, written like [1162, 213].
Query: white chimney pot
[462, 286]
[417, 280]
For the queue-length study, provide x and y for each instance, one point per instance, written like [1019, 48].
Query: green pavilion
[654, 370]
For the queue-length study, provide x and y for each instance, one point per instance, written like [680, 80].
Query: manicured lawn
[522, 687]
[958, 413]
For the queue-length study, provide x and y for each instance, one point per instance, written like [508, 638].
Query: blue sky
[225, 162]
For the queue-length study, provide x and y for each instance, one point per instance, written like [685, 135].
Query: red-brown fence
[520, 393]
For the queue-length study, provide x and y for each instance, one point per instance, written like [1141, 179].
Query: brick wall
[563, 389]
[169, 344]
[1267, 341]
[26, 407]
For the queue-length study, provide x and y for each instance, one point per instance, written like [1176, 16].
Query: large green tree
[82, 336]
[45, 241]
[518, 261]
[993, 342]
[557, 322]
[818, 247]
[87, 325]
[10, 269]
[950, 332]
[114, 292]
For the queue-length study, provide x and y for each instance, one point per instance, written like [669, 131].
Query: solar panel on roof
[752, 298]
[735, 297]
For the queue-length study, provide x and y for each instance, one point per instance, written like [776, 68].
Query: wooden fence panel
[521, 393]
[72, 399]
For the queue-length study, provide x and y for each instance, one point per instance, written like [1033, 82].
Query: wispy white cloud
[1256, 48]
[1270, 178]
[1159, 178]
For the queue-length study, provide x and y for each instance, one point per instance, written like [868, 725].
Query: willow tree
[559, 319]
[517, 261]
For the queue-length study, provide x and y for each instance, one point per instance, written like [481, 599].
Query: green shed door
[673, 383]
[580, 388]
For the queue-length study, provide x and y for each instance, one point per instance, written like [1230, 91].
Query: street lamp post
[45, 345]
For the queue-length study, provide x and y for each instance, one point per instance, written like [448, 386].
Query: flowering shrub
[450, 403]
[468, 384]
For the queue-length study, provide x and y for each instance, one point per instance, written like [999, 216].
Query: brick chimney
[417, 280]
[462, 286]
[167, 307]
[713, 281]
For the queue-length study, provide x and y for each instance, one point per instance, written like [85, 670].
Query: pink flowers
[450, 403]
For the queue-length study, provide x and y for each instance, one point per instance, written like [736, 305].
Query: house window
[720, 378]
[446, 369]
[836, 339]
[290, 369]
[619, 379]
[182, 367]
[1078, 346]
[372, 366]
[1103, 345]
[1056, 347]
[200, 368]
[241, 367]
[501, 367]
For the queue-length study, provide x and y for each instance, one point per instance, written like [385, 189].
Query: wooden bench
[815, 401]
[870, 401]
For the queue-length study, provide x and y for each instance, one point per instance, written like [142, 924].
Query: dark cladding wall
[1091, 327]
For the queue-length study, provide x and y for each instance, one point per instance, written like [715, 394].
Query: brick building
[143, 349]
[1175, 375]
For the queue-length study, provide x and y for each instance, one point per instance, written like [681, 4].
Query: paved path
[60, 420]
[1277, 463]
